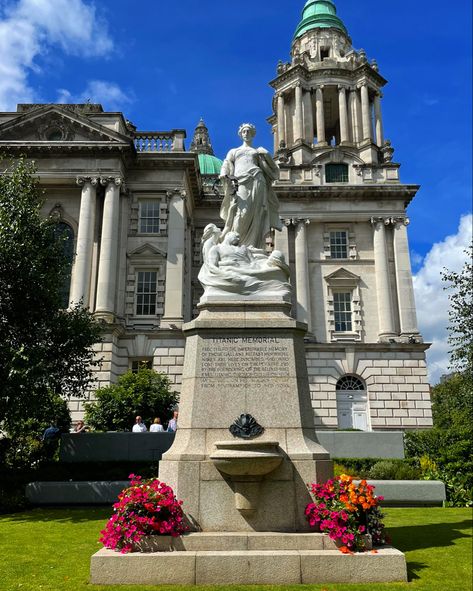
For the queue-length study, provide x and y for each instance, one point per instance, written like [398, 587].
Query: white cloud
[416, 258]
[431, 297]
[109, 94]
[29, 28]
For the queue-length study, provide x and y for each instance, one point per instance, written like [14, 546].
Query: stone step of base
[236, 541]
[247, 567]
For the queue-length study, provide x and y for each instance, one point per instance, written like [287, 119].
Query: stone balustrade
[160, 141]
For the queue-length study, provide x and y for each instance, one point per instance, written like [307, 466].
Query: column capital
[82, 180]
[298, 84]
[361, 85]
[287, 221]
[378, 221]
[176, 193]
[302, 221]
[343, 87]
[319, 87]
[401, 221]
[108, 180]
[378, 93]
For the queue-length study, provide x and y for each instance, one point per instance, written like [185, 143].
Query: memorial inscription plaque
[236, 361]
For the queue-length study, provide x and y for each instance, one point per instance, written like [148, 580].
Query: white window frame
[352, 253]
[145, 258]
[141, 205]
[343, 281]
[139, 198]
[145, 293]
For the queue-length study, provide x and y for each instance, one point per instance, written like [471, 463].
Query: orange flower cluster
[356, 496]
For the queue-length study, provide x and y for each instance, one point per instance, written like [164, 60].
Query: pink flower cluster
[346, 512]
[147, 507]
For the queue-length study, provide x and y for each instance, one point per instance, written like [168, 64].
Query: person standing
[172, 425]
[156, 427]
[139, 426]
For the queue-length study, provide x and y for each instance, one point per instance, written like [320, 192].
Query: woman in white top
[156, 427]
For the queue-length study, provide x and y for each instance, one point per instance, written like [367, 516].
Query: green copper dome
[319, 14]
[209, 164]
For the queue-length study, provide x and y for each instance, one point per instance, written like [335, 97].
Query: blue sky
[166, 63]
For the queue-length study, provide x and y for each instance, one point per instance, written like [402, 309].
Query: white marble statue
[230, 267]
[253, 210]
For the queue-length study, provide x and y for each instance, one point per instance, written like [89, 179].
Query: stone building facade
[135, 203]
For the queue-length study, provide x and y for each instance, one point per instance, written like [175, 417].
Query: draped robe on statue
[254, 210]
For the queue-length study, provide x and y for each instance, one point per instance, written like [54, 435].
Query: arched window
[350, 383]
[336, 173]
[64, 232]
[352, 403]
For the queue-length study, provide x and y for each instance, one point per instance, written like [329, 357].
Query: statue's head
[250, 130]
[209, 231]
[232, 238]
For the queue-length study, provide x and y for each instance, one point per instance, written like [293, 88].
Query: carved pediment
[147, 250]
[342, 278]
[53, 124]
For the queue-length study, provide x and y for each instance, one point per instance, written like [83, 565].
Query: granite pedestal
[244, 491]
[245, 357]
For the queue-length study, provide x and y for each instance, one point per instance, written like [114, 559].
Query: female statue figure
[253, 209]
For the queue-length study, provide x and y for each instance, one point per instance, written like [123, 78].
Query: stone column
[174, 295]
[308, 117]
[366, 113]
[275, 138]
[109, 243]
[281, 240]
[80, 286]
[405, 288]
[342, 106]
[302, 273]
[383, 283]
[378, 120]
[319, 115]
[281, 120]
[355, 109]
[299, 131]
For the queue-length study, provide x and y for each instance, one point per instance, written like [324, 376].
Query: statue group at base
[234, 259]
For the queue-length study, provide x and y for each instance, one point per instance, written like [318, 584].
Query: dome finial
[319, 14]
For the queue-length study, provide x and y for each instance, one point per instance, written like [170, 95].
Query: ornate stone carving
[56, 213]
[246, 427]
[230, 268]
[387, 152]
[118, 181]
[82, 180]
[178, 192]
[55, 130]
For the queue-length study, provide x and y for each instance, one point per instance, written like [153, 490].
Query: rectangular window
[336, 173]
[339, 245]
[146, 288]
[342, 311]
[137, 364]
[149, 217]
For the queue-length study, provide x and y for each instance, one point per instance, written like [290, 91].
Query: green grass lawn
[50, 549]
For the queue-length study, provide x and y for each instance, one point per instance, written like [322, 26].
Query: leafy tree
[461, 314]
[145, 393]
[452, 402]
[444, 452]
[45, 350]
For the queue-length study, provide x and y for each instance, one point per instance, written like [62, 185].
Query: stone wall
[396, 384]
